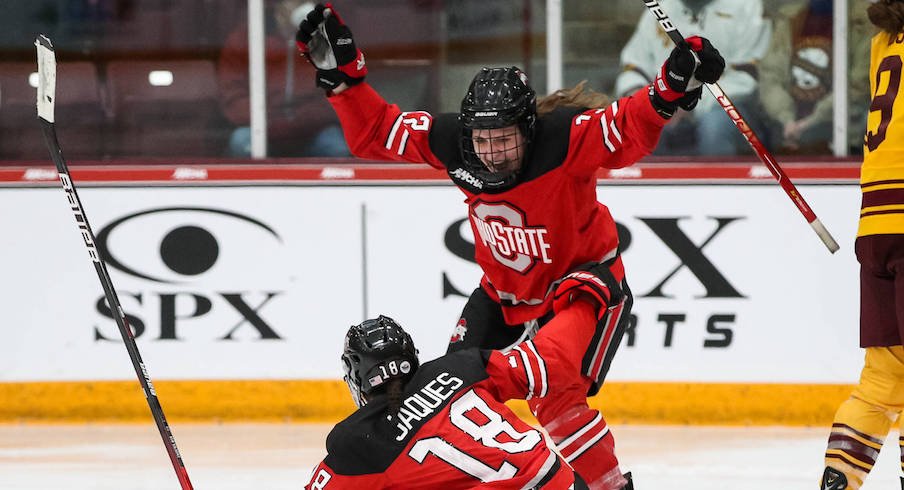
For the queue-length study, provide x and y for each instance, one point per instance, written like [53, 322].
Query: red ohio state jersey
[526, 237]
[453, 430]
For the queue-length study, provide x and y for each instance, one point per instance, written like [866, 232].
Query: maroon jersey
[453, 430]
[529, 236]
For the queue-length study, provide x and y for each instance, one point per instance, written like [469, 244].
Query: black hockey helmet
[497, 98]
[376, 351]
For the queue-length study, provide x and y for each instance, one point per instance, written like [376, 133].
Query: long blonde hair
[577, 96]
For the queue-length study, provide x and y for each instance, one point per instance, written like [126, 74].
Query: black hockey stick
[46, 99]
[765, 156]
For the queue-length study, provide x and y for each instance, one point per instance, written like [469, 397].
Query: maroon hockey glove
[328, 44]
[679, 81]
[594, 281]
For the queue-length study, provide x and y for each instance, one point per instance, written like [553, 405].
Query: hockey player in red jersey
[444, 424]
[529, 180]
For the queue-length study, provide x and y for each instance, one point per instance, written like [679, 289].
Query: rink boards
[240, 282]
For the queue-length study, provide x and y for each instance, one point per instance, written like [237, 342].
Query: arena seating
[164, 108]
[79, 108]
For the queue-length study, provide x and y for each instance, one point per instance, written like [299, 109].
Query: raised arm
[373, 128]
[628, 129]
[378, 130]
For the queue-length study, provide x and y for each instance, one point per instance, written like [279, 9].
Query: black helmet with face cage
[496, 98]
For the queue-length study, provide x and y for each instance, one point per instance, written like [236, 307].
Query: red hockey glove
[594, 281]
[679, 81]
[328, 44]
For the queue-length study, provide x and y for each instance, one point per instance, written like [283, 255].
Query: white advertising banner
[261, 282]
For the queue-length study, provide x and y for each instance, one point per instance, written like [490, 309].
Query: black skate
[833, 479]
[630, 484]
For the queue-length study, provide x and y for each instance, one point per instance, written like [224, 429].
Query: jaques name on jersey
[421, 405]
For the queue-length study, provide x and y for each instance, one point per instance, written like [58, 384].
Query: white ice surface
[280, 456]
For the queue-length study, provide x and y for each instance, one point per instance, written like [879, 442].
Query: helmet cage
[497, 98]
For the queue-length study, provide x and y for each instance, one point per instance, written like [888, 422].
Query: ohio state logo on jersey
[461, 329]
[502, 228]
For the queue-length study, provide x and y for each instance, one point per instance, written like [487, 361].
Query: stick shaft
[764, 155]
[47, 68]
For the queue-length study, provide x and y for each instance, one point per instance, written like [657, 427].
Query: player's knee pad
[882, 379]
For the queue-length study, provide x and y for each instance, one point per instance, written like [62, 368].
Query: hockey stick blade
[747, 132]
[45, 102]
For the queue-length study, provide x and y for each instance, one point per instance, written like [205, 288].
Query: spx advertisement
[261, 282]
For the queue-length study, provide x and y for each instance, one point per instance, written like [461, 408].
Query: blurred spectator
[740, 33]
[299, 121]
[796, 77]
